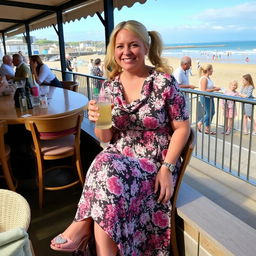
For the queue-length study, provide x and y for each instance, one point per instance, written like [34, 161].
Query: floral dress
[119, 188]
[248, 90]
[229, 106]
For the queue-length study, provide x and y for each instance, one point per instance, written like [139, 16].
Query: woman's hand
[216, 88]
[164, 184]
[33, 66]
[93, 114]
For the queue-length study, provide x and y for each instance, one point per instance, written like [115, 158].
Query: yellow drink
[105, 117]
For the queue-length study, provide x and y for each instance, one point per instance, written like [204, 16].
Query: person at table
[129, 184]
[5, 89]
[22, 71]
[24, 58]
[6, 69]
[42, 73]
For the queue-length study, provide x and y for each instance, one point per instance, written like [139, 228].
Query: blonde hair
[234, 82]
[151, 39]
[248, 78]
[203, 69]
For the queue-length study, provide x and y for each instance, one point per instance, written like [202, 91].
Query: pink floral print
[119, 189]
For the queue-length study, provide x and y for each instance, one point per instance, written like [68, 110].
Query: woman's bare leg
[230, 123]
[245, 124]
[105, 246]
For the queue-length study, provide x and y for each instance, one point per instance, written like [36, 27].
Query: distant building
[16, 45]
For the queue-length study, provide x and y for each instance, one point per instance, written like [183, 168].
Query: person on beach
[96, 71]
[207, 102]
[69, 76]
[247, 92]
[181, 74]
[75, 64]
[90, 66]
[42, 73]
[128, 187]
[229, 106]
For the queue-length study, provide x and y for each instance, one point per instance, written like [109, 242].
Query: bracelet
[171, 167]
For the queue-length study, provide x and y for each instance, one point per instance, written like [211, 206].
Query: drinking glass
[104, 103]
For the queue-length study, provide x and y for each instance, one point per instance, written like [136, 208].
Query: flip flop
[211, 132]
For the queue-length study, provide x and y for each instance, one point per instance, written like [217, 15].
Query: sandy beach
[223, 73]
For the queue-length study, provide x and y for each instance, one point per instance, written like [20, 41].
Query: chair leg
[8, 175]
[80, 170]
[40, 182]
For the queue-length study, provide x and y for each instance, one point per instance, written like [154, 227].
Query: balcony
[216, 206]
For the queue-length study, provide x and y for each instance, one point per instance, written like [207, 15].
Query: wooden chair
[56, 138]
[70, 85]
[185, 155]
[5, 157]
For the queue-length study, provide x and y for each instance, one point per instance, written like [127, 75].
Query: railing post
[61, 44]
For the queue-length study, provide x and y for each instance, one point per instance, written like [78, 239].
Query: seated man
[5, 89]
[22, 70]
[6, 69]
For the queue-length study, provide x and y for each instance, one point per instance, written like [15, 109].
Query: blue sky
[177, 21]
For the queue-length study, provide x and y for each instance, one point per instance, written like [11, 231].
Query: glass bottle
[28, 93]
[23, 102]
[35, 92]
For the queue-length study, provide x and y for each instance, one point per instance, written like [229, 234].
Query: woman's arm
[248, 93]
[178, 140]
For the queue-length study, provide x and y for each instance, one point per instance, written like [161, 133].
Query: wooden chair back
[185, 156]
[46, 129]
[70, 85]
[55, 124]
[5, 156]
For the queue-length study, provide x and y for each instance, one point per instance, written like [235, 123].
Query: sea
[243, 52]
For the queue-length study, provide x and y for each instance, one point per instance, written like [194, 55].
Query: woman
[96, 71]
[207, 85]
[128, 186]
[43, 75]
[247, 92]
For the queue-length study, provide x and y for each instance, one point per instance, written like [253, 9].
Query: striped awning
[15, 14]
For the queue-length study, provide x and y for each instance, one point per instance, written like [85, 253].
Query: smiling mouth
[128, 59]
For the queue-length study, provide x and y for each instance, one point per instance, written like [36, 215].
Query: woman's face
[244, 81]
[210, 71]
[32, 63]
[130, 51]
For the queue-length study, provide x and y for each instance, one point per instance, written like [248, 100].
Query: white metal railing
[234, 153]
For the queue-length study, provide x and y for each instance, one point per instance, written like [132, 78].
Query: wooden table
[60, 101]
